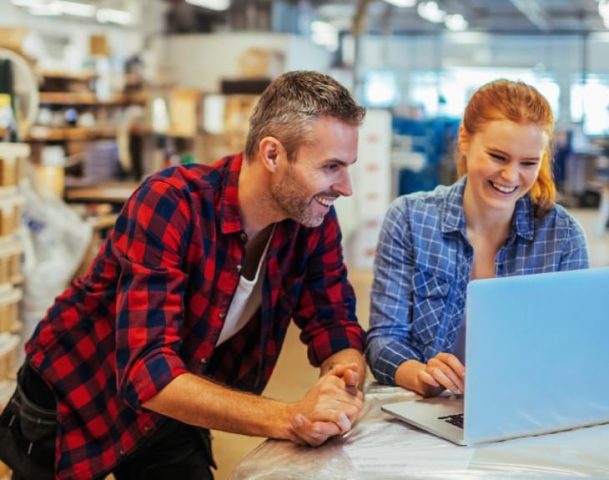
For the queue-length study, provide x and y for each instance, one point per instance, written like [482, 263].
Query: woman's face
[503, 161]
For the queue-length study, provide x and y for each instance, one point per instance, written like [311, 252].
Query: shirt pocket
[429, 285]
[430, 296]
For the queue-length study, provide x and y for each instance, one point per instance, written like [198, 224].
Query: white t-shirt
[245, 302]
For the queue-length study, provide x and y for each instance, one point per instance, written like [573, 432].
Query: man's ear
[271, 151]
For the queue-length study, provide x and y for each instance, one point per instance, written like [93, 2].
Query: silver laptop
[536, 360]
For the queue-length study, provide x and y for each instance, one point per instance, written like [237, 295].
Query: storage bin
[12, 163]
[9, 308]
[10, 260]
[10, 214]
[8, 355]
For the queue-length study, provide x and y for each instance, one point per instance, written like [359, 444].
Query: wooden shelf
[111, 192]
[44, 134]
[64, 75]
[87, 98]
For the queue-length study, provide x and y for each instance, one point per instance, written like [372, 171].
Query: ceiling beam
[534, 13]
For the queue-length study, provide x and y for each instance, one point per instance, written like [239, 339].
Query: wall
[202, 60]
[64, 41]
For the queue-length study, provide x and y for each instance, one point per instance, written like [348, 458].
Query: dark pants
[28, 430]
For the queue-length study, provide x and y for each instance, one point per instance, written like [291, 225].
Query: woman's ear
[270, 150]
[464, 139]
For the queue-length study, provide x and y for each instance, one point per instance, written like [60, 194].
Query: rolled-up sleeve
[326, 308]
[150, 240]
[390, 304]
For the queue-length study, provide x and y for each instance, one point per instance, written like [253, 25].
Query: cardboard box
[13, 157]
[261, 63]
[183, 112]
[10, 260]
[10, 214]
[12, 38]
[98, 45]
[213, 147]
[237, 112]
[9, 309]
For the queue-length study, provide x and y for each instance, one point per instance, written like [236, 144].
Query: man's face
[306, 188]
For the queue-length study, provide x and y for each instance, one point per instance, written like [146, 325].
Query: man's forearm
[197, 401]
[347, 356]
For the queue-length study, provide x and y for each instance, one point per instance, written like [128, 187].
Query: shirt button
[243, 236]
[238, 268]
[121, 452]
[222, 315]
[203, 361]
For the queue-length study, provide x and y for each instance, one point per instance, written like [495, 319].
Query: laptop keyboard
[456, 420]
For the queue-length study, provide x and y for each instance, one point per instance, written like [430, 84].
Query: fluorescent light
[28, 3]
[326, 34]
[74, 8]
[431, 12]
[402, 3]
[110, 15]
[456, 23]
[44, 10]
[211, 4]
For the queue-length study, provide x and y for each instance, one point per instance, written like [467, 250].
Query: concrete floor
[293, 375]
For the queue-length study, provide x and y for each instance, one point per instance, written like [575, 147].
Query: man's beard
[291, 198]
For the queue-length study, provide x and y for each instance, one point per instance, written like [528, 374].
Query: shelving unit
[12, 160]
[76, 115]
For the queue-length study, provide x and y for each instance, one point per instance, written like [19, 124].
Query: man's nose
[343, 186]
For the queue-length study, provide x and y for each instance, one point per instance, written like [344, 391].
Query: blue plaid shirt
[423, 264]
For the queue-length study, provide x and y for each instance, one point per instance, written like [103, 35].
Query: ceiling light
[326, 34]
[431, 12]
[74, 8]
[456, 22]
[110, 15]
[44, 9]
[211, 4]
[28, 3]
[402, 3]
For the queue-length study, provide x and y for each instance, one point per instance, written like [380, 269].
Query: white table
[380, 447]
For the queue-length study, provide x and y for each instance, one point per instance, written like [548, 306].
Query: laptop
[537, 350]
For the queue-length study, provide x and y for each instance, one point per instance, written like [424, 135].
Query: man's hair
[292, 102]
[521, 103]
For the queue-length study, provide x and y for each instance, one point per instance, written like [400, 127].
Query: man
[178, 324]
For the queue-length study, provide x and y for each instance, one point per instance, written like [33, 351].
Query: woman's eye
[501, 158]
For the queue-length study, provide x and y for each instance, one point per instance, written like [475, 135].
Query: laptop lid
[537, 347]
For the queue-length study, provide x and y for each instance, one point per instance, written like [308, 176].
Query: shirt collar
[228, 207]
[453, 216]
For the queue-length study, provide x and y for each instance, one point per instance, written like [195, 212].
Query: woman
[499, 219]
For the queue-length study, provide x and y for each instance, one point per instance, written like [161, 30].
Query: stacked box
[13, 158]
[8, 355]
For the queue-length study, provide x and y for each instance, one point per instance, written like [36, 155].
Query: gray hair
[292, 102]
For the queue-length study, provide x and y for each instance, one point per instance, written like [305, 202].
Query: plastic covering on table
[381, 447]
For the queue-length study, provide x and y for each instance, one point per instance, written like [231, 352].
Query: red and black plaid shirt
[153, 303]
